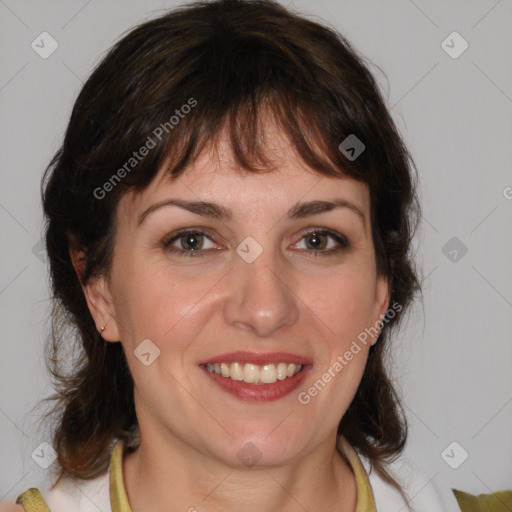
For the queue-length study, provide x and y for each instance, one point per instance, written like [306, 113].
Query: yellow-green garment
[500, 501]
[33, 501]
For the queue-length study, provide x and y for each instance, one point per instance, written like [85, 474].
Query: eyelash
[338, 237]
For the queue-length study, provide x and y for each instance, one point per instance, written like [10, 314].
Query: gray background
[453, 357]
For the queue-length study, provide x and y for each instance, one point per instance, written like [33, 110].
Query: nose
[261, 297]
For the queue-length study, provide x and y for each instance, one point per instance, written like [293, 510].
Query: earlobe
[98, 298]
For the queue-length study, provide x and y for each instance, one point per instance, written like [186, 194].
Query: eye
[192, 242]
[317, 238]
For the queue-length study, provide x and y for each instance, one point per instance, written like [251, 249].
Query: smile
[253, 373]
[261, 392]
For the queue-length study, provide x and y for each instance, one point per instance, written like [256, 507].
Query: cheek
[153, 302]
[344, 300]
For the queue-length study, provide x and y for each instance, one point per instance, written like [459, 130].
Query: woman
[228, 228]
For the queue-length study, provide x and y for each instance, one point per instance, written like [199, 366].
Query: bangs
[245, 125]
[240, 84]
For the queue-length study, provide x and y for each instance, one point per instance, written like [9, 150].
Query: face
[261, 287]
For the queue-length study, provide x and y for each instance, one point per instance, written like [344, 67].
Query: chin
[260, 452]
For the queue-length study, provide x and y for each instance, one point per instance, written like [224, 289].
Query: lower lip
[259, 392]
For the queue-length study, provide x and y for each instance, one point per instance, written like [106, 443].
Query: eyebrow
[216, 211]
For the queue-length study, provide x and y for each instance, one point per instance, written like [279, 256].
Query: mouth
[253, 373]
[257, 377]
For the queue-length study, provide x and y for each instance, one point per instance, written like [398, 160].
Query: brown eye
[191, 243]
[317, 242]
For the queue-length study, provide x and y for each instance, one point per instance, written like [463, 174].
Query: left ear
[382, 296]
[98, 297]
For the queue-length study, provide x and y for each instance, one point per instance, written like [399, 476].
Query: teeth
[268, 374]
[224, 370]
[236, 371]
[281, 371]
[253, 373]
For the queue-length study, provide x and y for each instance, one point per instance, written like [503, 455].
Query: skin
[196, 308]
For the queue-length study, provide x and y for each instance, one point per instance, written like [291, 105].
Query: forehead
[216, 176]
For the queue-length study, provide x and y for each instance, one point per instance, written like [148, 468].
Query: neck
[164, 475]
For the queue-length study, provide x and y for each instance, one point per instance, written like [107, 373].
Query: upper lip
[258, 358]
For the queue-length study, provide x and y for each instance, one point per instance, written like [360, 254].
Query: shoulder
[79, 495]
[74, 494]
[424, 493]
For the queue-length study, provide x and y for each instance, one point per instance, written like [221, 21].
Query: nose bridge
[260, 298]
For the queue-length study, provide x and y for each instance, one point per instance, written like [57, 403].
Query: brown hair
[226, 59]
